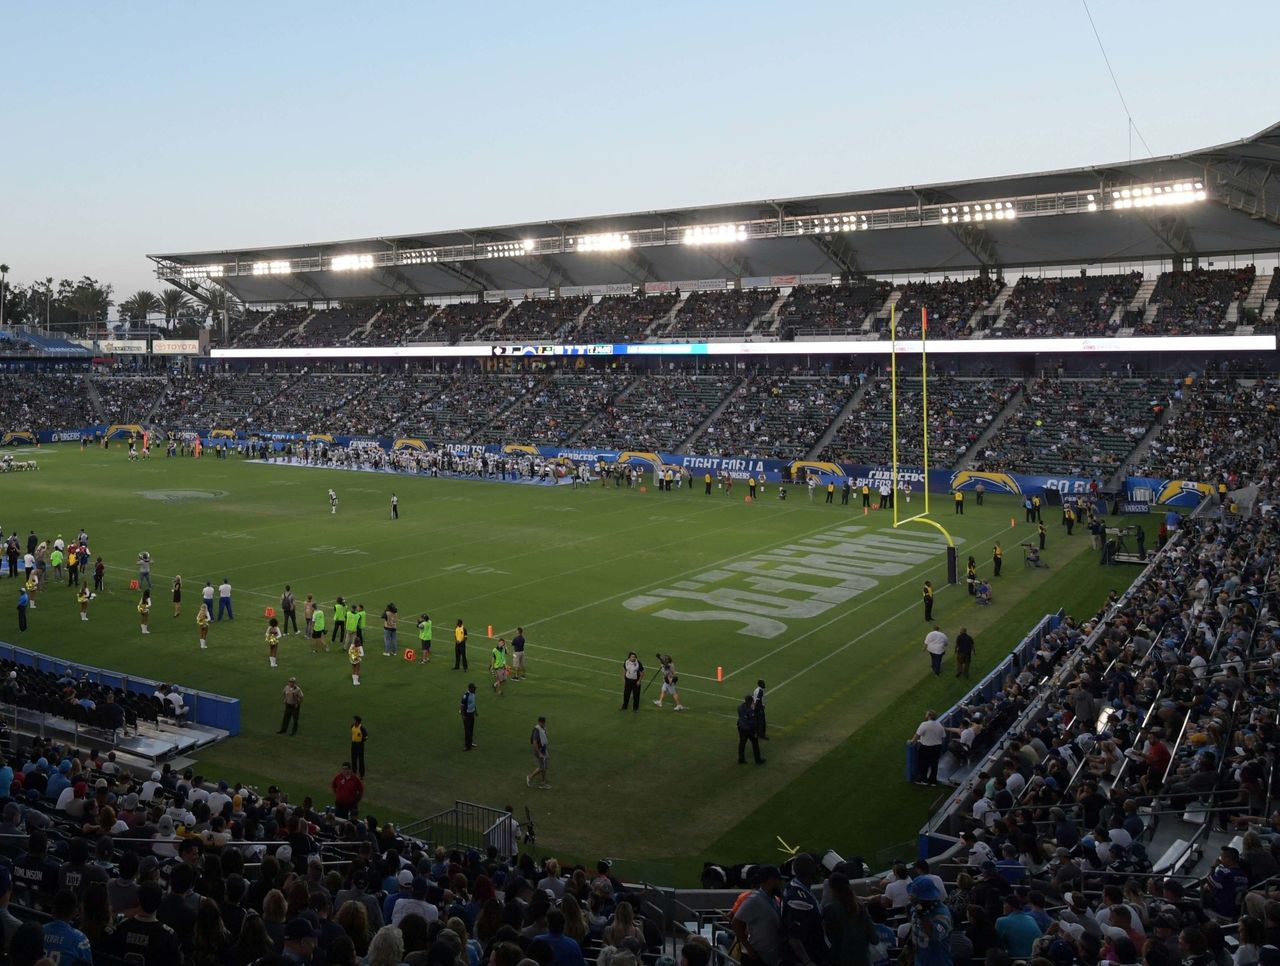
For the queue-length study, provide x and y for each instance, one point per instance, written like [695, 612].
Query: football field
[821, 601]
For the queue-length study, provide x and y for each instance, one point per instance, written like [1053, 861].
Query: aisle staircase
[852, 406]
[720, 407]
[993, 427]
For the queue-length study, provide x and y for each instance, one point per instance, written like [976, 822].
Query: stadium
[768, 450]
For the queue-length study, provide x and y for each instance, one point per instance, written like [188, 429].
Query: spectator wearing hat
[142, 938]
[404, 890]
[929, 925]
[757, 924]
[415, 902]
[299, 941]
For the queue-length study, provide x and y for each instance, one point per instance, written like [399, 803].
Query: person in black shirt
[748, 730]
[142, 938]
[35, 875]
[517, 655]
[964, 652]
[176, 909]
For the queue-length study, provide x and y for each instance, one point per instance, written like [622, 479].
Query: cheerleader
[355, 654]
[82, 597]
[273, 641]
[177, 596]
[202, 621]
[144, 612]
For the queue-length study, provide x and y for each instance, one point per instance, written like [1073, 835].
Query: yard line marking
[657, 583]
[860, 602]
[848, 644]
[612, 674]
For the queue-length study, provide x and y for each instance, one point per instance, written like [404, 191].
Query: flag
[924, 320]
[198, 447]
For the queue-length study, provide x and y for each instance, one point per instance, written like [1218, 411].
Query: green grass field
[590, 574]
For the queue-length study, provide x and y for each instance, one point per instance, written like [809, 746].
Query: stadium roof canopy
[1216, 201]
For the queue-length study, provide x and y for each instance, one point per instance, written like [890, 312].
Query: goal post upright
[953, 575]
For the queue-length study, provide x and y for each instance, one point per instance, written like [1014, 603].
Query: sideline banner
[1138, 489]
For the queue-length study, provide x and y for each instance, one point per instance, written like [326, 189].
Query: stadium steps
[996, 310]
[852, 406]
[95, 399]
[573, 326]
[493, 326]
[360, 331]
[1270, 308]
[770, 316]
[993, 427]
[581, 435]
[883, 314]
[665, 321]
[1142, 300]
[1143, 446]
[149, 415]
[1258, 292]
[421, 331]
[711, 417]
[1232, 318]
[298, 331]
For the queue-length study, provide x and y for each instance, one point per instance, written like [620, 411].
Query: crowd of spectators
[624, 318]
[44, 399]
[397, 323]
[1072, 307]
[1223, 429]
[554, 407]
[776, 414]
[1162, 705]
[833, 309]
[960, 409]
[1196, 302]
[171, 869]
[729, 312]
[541, 320]
[951, 303]
[127, 399]
[220, 400]
[460, 321]
[334, 326]
[272, 328]
[1079, 427]
[660, 412]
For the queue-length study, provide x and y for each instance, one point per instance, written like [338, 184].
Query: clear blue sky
[135, 127]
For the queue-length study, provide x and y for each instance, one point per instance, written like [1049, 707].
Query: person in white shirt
[895, 889]
[150, 787]
[978, 851]
[416, 903]
[929, 739]
[935, 645]
[984, 811]
[224, 599]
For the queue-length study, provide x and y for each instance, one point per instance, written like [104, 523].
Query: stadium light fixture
[418, 256]
[610, 241]
[723, 234]
[1158, 195]
[351, 263]
[277, 266]
[195, 272]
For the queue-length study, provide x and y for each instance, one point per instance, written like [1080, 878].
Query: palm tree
[4, 275]
[174, 302]
[139, 305]
[90, 300]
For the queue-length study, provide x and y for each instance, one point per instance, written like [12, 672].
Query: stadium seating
[623, 318]
[1080, 427]
[272, 328]
[722, 314]
[659, 412]
[1075, 306]
[126, 398]
[774, 414]
[463, 320]
[333, 326]
[832, 310]
[32, 401]
[394, 324]
[1196, 302]
[1221, 428]
[959, 411]
[219, 400]
[950, 303]
[554, 408]
[541, 320]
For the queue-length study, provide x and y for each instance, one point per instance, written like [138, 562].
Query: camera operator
[669, 681]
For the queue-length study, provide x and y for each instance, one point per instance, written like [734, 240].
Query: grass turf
[660, 791]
